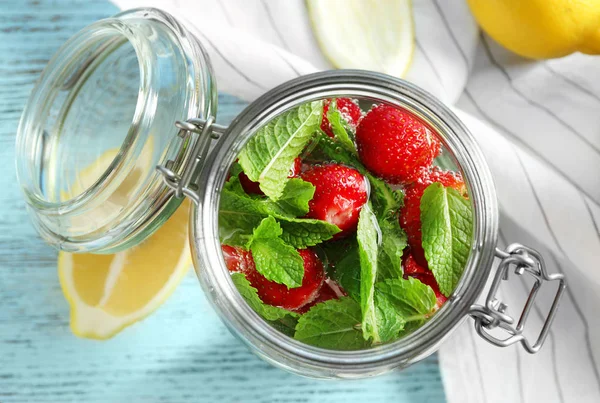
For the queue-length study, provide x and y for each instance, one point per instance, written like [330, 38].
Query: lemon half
[106, 293]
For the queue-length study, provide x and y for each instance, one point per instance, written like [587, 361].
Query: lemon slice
[373, 35]
[107, 293]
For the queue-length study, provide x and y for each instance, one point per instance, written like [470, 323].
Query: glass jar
[109, 99]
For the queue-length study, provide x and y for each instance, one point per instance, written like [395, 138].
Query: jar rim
[72, 60]
[292, 354]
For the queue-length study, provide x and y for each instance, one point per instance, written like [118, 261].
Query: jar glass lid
[99, 121]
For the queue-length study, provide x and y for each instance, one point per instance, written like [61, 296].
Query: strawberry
[424, 275]
[339, 195]
[394, 144]
[411, 267]
[293, 298]
[330, 290]
[249, 185]
[252, 187]
[239, 260]
[349, 109]
[410, 214]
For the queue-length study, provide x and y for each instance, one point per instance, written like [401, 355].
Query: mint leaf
[393, 242]
[389, 321]
[240, 214]
[447, 227]
[338, 249]
[381, 321]
[235, 169]
[368, 236]
[304, 232]
[410, 298]
[234, 185]
[386, 202]
[286, 325]
[268, 155]
[333, 324]
[274, 259]
[346, 271]
[401, 306]
[331, 151]
[296, 195]
[338, 128]
[249, 293]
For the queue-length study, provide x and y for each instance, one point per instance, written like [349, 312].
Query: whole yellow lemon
[541, 29]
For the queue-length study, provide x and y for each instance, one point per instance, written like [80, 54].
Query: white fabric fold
[539, 127]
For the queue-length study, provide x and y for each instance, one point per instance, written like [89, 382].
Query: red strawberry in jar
[394, 144]
[339, 195]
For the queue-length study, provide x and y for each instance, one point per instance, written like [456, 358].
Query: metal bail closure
[493, 314]
[197, 135]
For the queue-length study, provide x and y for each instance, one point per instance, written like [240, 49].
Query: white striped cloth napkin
[538, 124]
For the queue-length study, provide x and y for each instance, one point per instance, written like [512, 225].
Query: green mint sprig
[389, 322]
[296, 195]
[274, 259]
[447, 227]
[269, 154]
[400, 305]
[294, 200]
[233, 184]
[305, 232]
[338, 127]
[239, 214]
[393, 242]
[368, 236]
[386, 201]
[411, 298]
[345, 269]
[388, 302]
[235, 170]
[333, 324]
[286, 325]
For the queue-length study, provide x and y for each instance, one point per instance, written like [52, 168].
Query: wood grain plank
[181, 353]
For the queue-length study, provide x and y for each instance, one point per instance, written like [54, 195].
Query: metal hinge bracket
[521, 260]
[181, 175]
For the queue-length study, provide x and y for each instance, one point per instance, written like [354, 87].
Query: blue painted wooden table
[182, 352]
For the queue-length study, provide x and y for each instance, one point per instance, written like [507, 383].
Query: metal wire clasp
[181, 174]
[493, 314]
